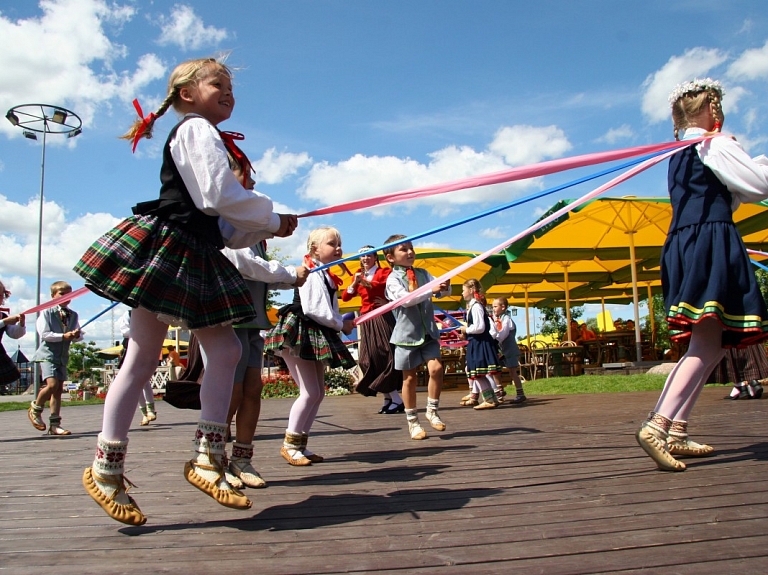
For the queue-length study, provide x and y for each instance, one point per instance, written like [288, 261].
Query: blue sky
[341, 100]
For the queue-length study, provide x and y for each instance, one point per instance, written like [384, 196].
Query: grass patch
[24, 405]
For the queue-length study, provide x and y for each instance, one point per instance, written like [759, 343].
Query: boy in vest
[416, 337]
[58, 328]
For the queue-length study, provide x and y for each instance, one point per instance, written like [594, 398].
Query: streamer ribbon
[145, 122]
[511, 175]
[497, 209]
[465, 266]
[101, 313]
[54, 302]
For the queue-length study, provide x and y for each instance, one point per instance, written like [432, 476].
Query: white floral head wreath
[694, 86]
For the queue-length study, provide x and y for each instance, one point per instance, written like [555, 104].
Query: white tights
[309, 375]
[147, 395]
[687, 379]
[222, 349]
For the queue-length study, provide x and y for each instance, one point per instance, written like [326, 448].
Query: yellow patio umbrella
[622, 235]
[115, 351]
[437, 262]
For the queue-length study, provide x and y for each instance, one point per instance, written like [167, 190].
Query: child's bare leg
[434, 388]
[409, 388]
[409, 400]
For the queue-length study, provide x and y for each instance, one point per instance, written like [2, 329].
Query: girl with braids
[482, 349]
[164, 262]
[710, 291]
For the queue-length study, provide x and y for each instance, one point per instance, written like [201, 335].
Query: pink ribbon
[54, 302]
[511, 175]
[465, 266]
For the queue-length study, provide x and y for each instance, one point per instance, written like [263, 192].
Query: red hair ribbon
[242, 160]
[413, 283]
[145, 122]
[309, 264]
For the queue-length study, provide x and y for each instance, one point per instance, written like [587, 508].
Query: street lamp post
[43, 119]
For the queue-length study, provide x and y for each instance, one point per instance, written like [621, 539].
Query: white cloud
[185, 29]
[64, 56]
[63, 241]
[696, 62]
[623, 132]
[274, 167]
[367, 176]
[493, 233]
[752, 64]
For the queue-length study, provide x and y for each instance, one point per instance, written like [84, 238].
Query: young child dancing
[307, 338]
[15, 327]
[504, 330]
[58, 327]
[165, 263]
[415, 336]
[710, 291]
[482, 349]
[377, 355]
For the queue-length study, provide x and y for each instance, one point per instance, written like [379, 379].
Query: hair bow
[146, 121]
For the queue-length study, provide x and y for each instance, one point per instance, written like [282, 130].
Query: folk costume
[710, 291]
[307, 338]
[166, 259]
[705, 269]
[482, 354]
[376, 353]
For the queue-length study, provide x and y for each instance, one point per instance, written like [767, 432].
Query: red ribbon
[145, 122]
[242, 160]
[61, 299]
[309, 264]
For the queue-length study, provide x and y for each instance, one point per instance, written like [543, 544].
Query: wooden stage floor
[557, 486]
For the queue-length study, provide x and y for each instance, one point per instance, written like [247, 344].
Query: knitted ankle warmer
[109, 463]
[678, 428]
[242, 451]
[210, 444]
[659, 423]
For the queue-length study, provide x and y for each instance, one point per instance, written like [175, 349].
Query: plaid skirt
[307, 340]
[155, 264]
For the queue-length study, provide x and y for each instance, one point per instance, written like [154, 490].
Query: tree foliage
[82, 360]
[554, 320]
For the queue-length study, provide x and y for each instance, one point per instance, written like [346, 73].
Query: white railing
[158, 379]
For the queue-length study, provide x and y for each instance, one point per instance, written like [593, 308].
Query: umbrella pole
[527, 319]
[567, 304]
[652, 319]
[635, 297]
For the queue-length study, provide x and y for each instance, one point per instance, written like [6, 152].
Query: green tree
[553, 320]
[82, 360]
[273, 295]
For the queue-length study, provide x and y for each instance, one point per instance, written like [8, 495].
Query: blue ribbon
[492, 210]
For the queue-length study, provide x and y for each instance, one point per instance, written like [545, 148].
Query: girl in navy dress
[165, 263]
[482, 349]
[710, 291]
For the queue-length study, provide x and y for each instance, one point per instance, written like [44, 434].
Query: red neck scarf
[242, 160]
[309, 264]
[413, 283]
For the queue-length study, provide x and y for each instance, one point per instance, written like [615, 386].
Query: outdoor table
[618, 346]
[556, 359]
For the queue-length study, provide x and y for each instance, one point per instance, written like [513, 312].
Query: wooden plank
[557, 486]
